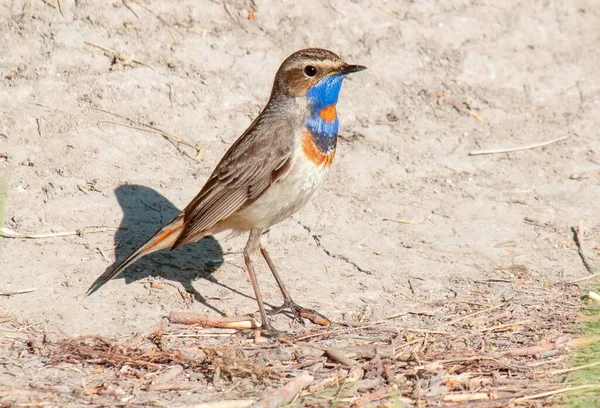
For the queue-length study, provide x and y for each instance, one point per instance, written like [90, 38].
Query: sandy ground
[407, 220]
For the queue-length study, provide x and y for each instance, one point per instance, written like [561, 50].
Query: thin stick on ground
[467, 316]
[586, 278]
[286, 393]
[363, 327]
[146, 127]
[175, 386]
[515, 149]
[127, 4]
[159, 17]
[115, 53]
[578, 237]
[17, 292]
[505, 326]
[49, 4]
[474, 396]
[205, 320]
[8, 233]
[223, 404]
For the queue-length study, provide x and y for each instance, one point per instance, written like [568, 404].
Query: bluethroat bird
[269, 173]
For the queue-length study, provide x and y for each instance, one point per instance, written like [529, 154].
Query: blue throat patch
[324, 94]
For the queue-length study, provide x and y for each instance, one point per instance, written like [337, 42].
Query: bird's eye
[310, 71]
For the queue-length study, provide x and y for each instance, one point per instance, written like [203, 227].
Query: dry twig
[379, 394]
[136, 340]
[458, 319]
[578, 235]
[175, 386]
[224, 404]
[504, 326]
[550, 349]
[159, 17]
[47, 2]
[286, 393]
[340, 357]
[121, 59]
[127, 4]
[8, 233]
[16, 292]
[146, 127]
[473, 396]
[205, 320]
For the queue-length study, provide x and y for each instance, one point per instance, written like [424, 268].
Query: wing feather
[225, 205]
[255, 161]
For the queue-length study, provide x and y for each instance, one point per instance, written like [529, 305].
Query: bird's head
[313, 73]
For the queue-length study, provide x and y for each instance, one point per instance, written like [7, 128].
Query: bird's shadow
[144, 212]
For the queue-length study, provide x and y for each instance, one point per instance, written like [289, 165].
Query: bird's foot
[300, 313]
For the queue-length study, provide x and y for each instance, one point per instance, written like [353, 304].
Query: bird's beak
[348, 69]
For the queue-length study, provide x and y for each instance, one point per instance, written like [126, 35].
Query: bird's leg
[297, 311]
[251, 249]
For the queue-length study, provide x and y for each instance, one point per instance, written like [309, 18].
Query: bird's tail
[162, 239]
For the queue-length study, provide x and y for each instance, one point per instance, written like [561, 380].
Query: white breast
[284, 197]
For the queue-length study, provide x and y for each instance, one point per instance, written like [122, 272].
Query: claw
[291, 308]
[270, 331]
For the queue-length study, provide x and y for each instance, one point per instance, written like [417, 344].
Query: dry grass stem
[516, 149]
[586, 278]
[505, 326]
[571, 369]
[555, 392]
[594, 296]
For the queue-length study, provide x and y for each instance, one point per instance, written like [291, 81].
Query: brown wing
[254, 162]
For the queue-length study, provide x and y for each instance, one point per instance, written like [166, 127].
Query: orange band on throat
[313, 153]
[328, 113]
